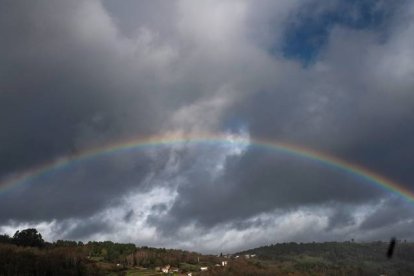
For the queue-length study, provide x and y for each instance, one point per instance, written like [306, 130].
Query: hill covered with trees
[26, 253]
[336, 258]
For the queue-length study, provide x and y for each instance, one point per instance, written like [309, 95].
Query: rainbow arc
[324, 159]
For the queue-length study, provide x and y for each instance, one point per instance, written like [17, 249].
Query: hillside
[343, 258]
[26, 253]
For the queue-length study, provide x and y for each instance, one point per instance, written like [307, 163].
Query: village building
[166, 269]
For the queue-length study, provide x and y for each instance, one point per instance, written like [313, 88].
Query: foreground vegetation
[26, 253]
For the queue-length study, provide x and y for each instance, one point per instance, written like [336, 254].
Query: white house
[166, 269]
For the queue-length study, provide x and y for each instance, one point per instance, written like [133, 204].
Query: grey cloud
[390, 212]
[261, 181]
[132, 15]
[70, 229]
[332, 108]
[78, 190]
[70, 81]
[342, 217]
[129, 215]
[62, 63]
[87, 229]
[85, 73]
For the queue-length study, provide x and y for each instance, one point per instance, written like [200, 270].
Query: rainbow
[325, 159]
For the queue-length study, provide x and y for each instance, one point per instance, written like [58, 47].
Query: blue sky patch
[309, 30]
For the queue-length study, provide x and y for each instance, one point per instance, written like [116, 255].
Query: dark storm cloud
[84, 73]
[341, 122]
[67, 83]
[61, 63]
[263, 181]
[79, 190]
[340, 109]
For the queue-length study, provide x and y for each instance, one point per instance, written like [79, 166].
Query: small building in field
[166, 269]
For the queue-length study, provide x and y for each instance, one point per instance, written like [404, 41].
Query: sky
[333, 76]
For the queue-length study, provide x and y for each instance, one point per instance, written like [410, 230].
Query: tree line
[26, 253]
